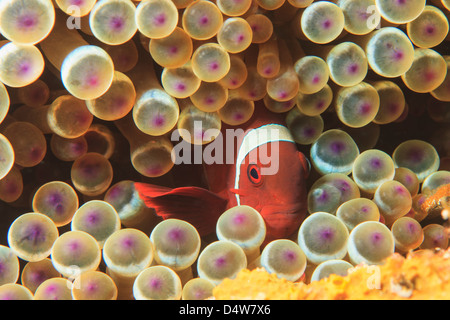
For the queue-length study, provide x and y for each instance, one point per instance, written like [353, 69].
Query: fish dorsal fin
[254, 138]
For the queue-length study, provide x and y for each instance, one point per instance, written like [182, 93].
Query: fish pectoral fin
[198, 206]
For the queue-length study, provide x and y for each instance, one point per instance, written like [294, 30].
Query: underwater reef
[224, 149]
[422, 275]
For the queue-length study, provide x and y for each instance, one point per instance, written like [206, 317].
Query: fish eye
[253, 174]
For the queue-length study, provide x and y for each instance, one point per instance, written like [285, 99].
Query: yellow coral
[270, 287]
[421, 275]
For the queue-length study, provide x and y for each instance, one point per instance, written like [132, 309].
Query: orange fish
[268, 173]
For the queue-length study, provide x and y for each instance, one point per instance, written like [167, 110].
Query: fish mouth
[283, 220]
[292, 208]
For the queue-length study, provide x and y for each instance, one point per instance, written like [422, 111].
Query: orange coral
[421, 275]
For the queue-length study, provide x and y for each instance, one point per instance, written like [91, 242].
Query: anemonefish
[277, 190]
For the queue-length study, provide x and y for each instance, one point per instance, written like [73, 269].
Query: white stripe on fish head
[254, 138]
